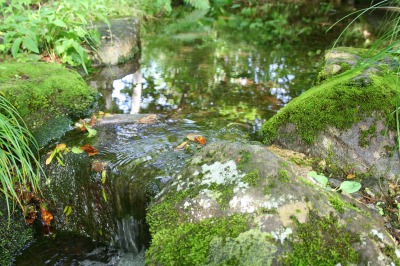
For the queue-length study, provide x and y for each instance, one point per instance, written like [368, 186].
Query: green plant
[55, 30]
[20, 169]
[345, 186]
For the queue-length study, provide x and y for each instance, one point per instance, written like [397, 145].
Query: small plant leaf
[30, 44]
[67, 210]
[350, 186]
[76, 150]
[60, 162]
[323, 180]
[15, 47]
[92, 132]
[60, 23]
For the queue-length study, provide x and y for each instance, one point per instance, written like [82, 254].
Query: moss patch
[189, 243]
[338, 102]
[42, 91]
[321, 241]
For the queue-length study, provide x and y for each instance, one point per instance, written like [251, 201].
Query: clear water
[209, 82]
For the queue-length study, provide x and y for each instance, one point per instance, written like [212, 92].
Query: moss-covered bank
[48, 96]
[339, 102]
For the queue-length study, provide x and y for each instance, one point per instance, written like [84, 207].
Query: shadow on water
[211, 82]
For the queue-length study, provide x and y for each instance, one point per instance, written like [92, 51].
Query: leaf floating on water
[148, 119]
[182, 146]
[61, 147]
[90, 150]
[60, 162]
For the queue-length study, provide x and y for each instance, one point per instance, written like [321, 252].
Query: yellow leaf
[350, 176]
[182, 146]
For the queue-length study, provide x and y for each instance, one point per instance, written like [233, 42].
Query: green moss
[42, 91]
[252, 178]
[390, 252]
[283, 176]
[245, 157]
[366, 136]
[337, 102]
[14, 235]
[340, 205]
[226, 195]
[189, 243]
[321, 241]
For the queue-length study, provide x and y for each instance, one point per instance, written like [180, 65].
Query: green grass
[19, 164]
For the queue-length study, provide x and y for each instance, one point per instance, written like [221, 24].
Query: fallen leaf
[67, 210]
[197, 138]
[182, 146]
[46, 216]
[350, 176]
[104, 195]
[98, 166]
[50, 158]
[103, 176]
[61, 147]
[148, 119]
[90, 150]
[76, 150]
[201, 140]
[92, 132]
[93, 120]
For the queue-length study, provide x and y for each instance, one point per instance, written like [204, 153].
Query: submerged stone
[210, 214]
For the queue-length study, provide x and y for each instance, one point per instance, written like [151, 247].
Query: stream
[208, 82]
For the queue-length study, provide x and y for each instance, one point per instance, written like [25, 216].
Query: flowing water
[209, 82]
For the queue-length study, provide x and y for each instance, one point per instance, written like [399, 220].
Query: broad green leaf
[92, 132]
[323, 180]
[60, 23]
[15, 47]
[30, 44]
[350, 186]
[76, 150]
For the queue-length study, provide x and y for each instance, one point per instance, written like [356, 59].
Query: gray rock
[278, 200]
[119, 43]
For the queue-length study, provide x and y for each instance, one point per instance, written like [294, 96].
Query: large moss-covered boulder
[348, 119]
[240, 204]
[47, 96]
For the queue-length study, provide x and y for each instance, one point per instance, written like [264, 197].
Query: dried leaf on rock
[93, 120]
[90, 150]
[197, 138]
[148, 119]
[98, 166]
[182, 146]
[46, 215]
[350, 176]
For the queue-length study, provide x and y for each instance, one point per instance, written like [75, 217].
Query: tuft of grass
[20, 169]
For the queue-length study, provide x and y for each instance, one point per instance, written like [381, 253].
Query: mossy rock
[348, 119]
[47, 96]
[217, 211]
[14, 234]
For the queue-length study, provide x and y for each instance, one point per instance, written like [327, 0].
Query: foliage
[20, 168]
[345, 186]
[322, 241]
[58, 30]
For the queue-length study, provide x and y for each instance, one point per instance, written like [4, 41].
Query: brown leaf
[46, 216]
[90, 150]
[197, 138]
[148, 119]
[98, 166]
[182, 146]
[93, 120]
[350, 176]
